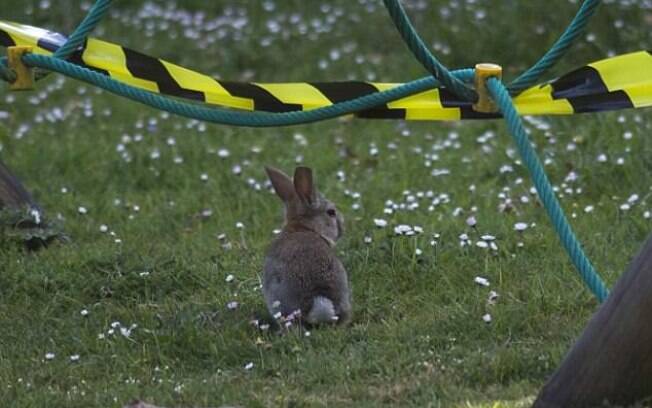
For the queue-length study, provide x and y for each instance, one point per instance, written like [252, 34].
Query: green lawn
[154, 285]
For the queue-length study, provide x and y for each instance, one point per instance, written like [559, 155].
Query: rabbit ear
[281, 182]
[303, 185]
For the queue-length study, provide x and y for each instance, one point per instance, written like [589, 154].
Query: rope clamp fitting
[24, 75]
[483, 72]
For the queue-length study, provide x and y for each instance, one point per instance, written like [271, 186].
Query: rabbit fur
[302, 272]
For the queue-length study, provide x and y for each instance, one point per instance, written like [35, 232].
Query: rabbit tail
[322, 311]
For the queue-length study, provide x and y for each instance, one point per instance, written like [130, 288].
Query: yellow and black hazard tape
[620, 82]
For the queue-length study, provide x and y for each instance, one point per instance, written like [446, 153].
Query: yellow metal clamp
[24, 75]
[483, 72]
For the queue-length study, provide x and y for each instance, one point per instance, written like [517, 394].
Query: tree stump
[612, 360]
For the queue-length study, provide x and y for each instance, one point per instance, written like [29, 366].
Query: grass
[417, 338]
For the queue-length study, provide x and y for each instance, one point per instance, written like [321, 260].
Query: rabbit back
[301, 267]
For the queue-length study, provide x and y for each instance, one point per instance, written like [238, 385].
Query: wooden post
[612, 360]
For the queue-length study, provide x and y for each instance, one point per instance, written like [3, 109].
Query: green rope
[502, 97]
[264, 119]
[232, 117]
[455, 81]
[554, 54]
[6, 74]
[425, 57]
[504, 101]
[87, 25]
[79, 35]
[405, 28]
[525, 80]
[76, 39]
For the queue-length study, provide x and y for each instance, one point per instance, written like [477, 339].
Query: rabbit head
[305, 206]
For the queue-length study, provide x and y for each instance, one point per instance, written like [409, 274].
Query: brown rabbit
[302, 272]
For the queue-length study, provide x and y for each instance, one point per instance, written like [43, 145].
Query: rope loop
[424, 56]
[455, 81]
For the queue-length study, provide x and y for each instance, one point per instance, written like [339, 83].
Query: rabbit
[301, 273]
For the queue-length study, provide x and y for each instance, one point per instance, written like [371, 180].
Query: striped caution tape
[615, 83]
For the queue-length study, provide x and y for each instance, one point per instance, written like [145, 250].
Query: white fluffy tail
[322, 311]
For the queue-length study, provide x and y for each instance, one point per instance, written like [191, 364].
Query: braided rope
[87, 25]
[455, 81]
[558, 50]
[504, 101]
[523, 81]
[6, 74]
[80, 34]
[423, 55]
[231, 117]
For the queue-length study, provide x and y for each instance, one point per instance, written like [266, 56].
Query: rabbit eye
[330, 212]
